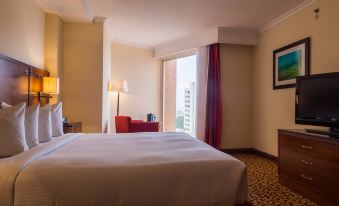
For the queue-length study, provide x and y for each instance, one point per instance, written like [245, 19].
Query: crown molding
[286, 15]
[132, 44]
[202, 38]
[222, 35]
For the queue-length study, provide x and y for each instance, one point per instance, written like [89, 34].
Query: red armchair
[125, 124]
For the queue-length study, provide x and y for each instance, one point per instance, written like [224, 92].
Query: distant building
[180, 121]
[189, 112]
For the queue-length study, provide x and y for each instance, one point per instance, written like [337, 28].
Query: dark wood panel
[19, 82]
[306, 191]
[312, 179]
[13, 81]
[321, 166]
[309, 164]
[310, 147]
[301, 133]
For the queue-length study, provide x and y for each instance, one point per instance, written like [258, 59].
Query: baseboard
[237, 150]
[265, 155]
[250, 151]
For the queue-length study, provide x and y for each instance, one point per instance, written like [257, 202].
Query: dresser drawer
[324, 184]
[310, 147]
[309, 164]
[321, 166]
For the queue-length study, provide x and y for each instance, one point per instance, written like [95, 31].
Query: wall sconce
[50, 85]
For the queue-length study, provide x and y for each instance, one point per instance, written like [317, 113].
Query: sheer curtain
[202, 76]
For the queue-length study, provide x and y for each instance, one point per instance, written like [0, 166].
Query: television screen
[317, 99]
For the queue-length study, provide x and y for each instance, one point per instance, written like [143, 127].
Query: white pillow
[32, 125]
[56, 117]
[45, 126]
[4, 105]
[12, 130]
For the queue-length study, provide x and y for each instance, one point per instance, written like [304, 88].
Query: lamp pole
[118, 104]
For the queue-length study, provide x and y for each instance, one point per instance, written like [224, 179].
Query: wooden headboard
[19, 82]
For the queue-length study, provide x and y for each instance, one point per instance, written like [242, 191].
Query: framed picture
[289, 62]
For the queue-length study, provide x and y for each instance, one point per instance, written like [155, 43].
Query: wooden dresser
[309, 164]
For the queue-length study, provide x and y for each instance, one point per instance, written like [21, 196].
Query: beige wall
[236, 71]
[22, 31]
[273, 109]
[106, 76]
[83, 74]
[54, 49]
[143, 74]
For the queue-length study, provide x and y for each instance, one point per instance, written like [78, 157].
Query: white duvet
[140, 169]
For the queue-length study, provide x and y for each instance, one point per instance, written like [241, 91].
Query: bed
[121, 169]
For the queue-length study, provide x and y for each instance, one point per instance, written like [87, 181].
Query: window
[179, 85]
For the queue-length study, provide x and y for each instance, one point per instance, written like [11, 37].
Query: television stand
[333, 133]
[309, 165]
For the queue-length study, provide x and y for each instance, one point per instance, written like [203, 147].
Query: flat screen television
[317, 100]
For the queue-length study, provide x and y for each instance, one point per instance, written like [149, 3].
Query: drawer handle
[306, 147]
[306, 178]
[306, 162]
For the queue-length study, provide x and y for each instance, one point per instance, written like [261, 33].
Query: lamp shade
[50, 85]
[119, 86]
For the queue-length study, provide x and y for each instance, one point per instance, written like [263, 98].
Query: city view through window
[185, 96]
[179, 94]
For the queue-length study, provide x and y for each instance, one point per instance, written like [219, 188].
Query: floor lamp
[118, 86]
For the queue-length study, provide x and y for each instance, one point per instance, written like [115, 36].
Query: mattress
[123, 169]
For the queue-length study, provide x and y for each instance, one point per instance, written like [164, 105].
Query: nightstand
[73, 127]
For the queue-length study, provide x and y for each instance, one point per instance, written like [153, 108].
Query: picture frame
[289, 62]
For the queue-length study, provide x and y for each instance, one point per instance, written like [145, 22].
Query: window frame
[187, 53]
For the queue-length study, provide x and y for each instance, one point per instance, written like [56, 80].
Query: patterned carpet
[264, 187]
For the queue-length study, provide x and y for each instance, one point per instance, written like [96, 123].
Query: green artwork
[289, 65]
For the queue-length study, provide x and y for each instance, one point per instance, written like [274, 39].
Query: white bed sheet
[123, 169]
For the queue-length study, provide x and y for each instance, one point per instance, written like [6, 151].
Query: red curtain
[213, 106]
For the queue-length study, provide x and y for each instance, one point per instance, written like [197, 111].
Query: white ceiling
[149, 23]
